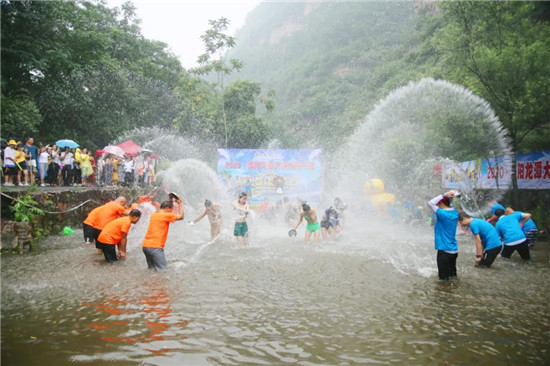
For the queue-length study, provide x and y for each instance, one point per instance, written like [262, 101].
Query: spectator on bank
[149, 172]
[43, 161]
[85, 167]
[128, 167]
[31, 152]
[108, 170]
[115, 170]
[67, 161]
[21, 163]
[76, 172]
[138, 169]
[100, 171]
[121, 174]
[10, 168]
[91, 178]
[53, 168]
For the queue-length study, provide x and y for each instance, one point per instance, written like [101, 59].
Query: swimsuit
[312, 226]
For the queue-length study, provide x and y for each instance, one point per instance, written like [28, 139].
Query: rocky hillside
[328, 62]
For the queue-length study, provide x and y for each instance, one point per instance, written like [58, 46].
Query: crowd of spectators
[27, 164]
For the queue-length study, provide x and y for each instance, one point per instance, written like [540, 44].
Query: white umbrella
[115, 150]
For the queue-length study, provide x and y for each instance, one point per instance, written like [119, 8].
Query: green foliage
[214, 60]
[246, 130]
[84, 70]
[24, 209]
[20, 114]
[331, 62]
[495, 49]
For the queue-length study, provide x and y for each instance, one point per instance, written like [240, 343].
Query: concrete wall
[63, 200]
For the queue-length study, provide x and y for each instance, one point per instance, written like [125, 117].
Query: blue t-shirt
[497, 206]
[509, 230]
[445, 230]
[487, 232]
[31, 150]
[529, 225]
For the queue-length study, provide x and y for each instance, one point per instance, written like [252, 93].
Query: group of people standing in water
[108, 225]
[512, 231]
[506, 232]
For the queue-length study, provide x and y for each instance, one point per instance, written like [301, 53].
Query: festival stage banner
[533, 170]
[454, 176]
[272, 174]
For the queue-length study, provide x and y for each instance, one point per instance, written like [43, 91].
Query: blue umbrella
[67, 143]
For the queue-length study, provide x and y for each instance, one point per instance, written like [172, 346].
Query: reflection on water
[370, 297]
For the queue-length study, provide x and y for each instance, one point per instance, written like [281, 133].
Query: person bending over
[488, 243]
[114, 235]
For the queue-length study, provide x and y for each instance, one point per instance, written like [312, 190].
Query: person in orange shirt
[114, 234]
[90, 233]
[107, 213]
[157, 232]
[150, 198]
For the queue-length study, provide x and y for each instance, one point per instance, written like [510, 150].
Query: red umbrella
[130, 147]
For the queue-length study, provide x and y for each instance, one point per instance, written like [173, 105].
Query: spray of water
[412, 133]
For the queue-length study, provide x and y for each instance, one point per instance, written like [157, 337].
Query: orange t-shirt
[93, 217]
[156, 234]
[109, 212]
[112, 232]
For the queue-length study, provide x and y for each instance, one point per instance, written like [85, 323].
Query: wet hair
[166, 204]
[135, 212]
[446, 201]
[463, 215]
[207, 203]
[305, 207]
[499, 212]
[242, 194]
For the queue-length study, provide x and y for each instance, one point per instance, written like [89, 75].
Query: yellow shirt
[20, 156]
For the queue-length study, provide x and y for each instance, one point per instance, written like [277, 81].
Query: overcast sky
[180, 23]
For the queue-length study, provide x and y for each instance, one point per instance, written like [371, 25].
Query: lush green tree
[500, 51]
[246, 129]
[87, 69]
[215, 60]
[496, 49]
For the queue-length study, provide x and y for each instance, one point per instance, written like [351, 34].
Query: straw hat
[12, 142]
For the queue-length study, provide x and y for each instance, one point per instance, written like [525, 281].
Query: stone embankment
[62, 206]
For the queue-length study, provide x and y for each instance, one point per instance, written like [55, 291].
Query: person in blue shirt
[509, 229]
[31, 152]
[445, 234]
[529, 229]
[488, 243]
[496, 206]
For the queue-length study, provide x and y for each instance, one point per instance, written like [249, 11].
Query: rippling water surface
[370, 297]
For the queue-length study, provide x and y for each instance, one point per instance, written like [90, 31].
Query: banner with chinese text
[271, 173]
[533, 170]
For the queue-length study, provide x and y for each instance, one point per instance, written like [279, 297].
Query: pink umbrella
[115, 150]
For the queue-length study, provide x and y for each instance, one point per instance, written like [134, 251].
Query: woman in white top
[43, 157]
